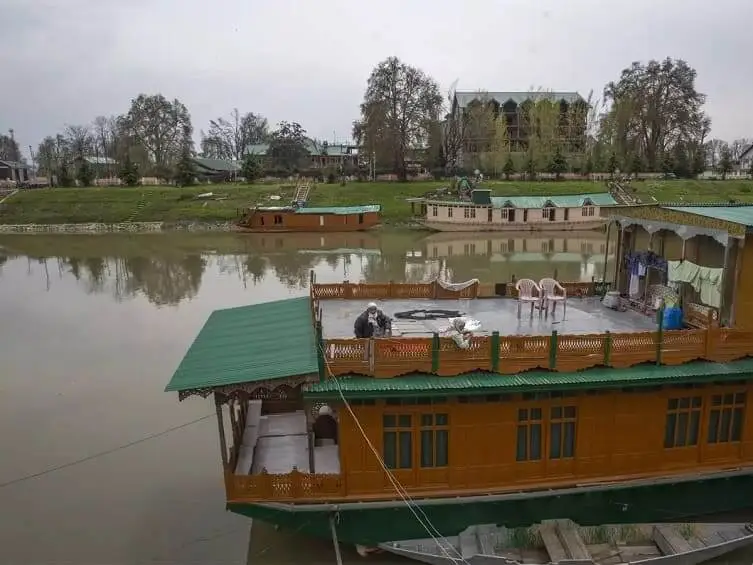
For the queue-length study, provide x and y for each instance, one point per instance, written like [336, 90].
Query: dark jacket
[363, 329]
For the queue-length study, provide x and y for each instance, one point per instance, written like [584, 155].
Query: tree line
[650, 119]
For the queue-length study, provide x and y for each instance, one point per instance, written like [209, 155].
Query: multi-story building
[322, 155]
[515, 108]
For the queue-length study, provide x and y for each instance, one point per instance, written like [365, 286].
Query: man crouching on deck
[372, 323]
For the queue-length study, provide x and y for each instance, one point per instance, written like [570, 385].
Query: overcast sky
[67, 61]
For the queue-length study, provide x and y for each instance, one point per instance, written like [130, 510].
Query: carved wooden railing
[390, 357]
[295, 485]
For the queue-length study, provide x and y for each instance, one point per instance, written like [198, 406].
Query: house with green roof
[215, 169]
[322, 154]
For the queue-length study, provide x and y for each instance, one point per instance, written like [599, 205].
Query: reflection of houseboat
[515, 213]
[305, 219]
[570, 246]
[335, 242]
[596, 415]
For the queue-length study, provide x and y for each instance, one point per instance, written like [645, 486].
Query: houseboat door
[552, 212]
[511, 214]
[567, 214]
[490, 214]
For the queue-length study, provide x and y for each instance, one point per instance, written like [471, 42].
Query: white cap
[371, 305]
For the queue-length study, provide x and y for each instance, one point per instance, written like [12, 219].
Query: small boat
[565, 542]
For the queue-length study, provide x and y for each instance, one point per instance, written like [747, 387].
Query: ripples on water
[92, 327]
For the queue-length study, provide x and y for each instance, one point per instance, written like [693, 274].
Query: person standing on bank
[372, 323]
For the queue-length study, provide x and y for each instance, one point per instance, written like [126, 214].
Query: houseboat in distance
[627, 409]
[298, 217]
[484, 212]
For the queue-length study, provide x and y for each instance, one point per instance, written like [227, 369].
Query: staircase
[620, 194]
[140, 205]
[302, 194]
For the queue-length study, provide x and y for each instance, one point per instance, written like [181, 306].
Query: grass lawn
[170, 204]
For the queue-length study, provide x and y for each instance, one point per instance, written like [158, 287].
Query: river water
[91, 329]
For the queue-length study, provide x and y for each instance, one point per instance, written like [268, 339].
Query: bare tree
[79, 139]
[229, 139]
[737, 147]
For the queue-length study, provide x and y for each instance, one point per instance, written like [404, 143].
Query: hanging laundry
[707, 282]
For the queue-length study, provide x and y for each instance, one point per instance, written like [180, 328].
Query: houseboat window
[466, 212]
[398, 441]
[449, 211]
[278, 220]
[490, 214]
[683, 417]
[587, 211]
[360, 218]
[562, 432]
[529, 434]
[504, 213]
[473, 212]
[434, 440]
[321, 220]
[434, 211]
[726, 417]
[261, 220]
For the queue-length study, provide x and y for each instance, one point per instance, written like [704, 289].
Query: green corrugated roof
[217, 164]
[742, 215]
[486, 383]
[312, 146]
[465, 98]
[250, 343]
[340, 210]
[560, 201]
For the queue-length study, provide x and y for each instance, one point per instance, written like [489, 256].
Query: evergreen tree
[185, 174]
[250, 168]
[509, 167]
[85, 174]
[129, 172]
[558, 164]
[612, 164]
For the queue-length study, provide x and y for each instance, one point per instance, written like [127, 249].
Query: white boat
[562, 542]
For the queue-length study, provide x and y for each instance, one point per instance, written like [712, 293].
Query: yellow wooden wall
[743, 301]
[618, 434]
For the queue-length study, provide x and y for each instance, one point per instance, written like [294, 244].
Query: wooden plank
[670, 541]
[485, 535]
[571, 541]
[552, 543]
[468, 545]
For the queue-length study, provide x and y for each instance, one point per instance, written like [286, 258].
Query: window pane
[403, 421]
[713, 426]
[427, 419]
[442, 438]
[390, 444]
[389, 421]
[406, 448]
[522, 448]
[716, 400]
[427, 448]
[669, 430]
[685, 402]
[737, 424]
[726, 422]
[555, 441]
[441, 419]
[568, 447]
[696, 402]
[729, 398]
[535, 413]
[695, 418]
[672, 404]
[535, 442]
[682, 429]
[557, 412]
[569, 411]
[522, 415]
[740, 398]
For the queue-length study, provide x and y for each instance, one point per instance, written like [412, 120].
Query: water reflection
[169, 268]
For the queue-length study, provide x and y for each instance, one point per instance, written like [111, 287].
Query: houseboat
[309, 219]
[606, 411]
[484, 212]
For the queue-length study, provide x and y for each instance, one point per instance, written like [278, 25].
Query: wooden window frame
[396, 427]
[434, 433]
[563, 429]
[529, 420]
[730, 406]
[682, 424]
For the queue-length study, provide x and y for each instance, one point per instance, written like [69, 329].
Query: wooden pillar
[221, 429]
[606, 254]
[618, 256]
[724, 319]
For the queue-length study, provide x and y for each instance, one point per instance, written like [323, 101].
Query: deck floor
[283, 444]
[584, 315]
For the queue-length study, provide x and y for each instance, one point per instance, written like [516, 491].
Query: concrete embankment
[124, 227]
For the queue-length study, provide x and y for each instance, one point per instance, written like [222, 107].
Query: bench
[670, 542]
[552, 543]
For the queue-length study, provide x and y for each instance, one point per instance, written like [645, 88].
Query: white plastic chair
[529, 292]
[553, 292]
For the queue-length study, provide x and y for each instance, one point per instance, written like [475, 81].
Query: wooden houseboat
[485, 212]
[310, 219]
[594, 414]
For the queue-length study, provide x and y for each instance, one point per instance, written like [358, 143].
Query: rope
[404, 495]
[103, 453]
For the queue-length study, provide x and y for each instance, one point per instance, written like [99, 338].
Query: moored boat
[597, 413]
[561, 542]
[310, 219]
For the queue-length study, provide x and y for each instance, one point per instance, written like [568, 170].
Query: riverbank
[123, 209]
